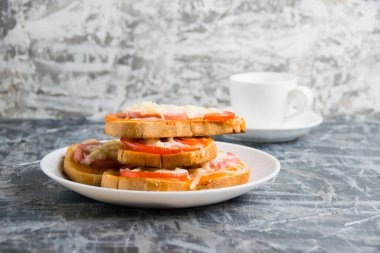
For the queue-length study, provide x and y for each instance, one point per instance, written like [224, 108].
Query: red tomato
[182, 176]
[194, 141]
[115, 116]
[134, 145]
[219, 116]
[176, 116]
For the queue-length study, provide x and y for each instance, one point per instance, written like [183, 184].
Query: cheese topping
[170, 143]
[196, 177]
[169, 171]
[191, 111]
[107, 149]
[101, 150]
[230, 165]
[222, 156]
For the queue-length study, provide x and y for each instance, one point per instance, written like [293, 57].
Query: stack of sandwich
[161, 148]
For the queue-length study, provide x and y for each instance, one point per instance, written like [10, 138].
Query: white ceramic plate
[293, 129]
[264, 167]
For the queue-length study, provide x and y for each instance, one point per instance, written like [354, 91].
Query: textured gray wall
[77, 58]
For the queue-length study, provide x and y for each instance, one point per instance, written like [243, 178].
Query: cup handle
[302, 94]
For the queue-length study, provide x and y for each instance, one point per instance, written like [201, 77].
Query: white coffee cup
[268, 100]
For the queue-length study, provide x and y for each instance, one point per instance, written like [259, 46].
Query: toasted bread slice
[158, 128]
[81, 173]
[184, 159]
[111, 179]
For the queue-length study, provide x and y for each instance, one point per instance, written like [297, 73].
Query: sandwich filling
[98, 154]
[153, 111]
[166, 145]
[224, 164]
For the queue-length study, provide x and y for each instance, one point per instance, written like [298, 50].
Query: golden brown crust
[226, 181]
[110, 180]
[172, 128]
[186, 159]
[81, 173]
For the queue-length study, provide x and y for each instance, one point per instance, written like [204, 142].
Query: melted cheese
[196, 177]
[221, 155]
[191, 111]
[206, 169]
[102, 151]
[169, 171]
[203, 150]
[170, 143]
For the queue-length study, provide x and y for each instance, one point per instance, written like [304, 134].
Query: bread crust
[133, 128]
[81, 173]
[186, 159]
[226, 181]
[112, 180]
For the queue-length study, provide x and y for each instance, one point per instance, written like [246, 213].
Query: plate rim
[62, 180]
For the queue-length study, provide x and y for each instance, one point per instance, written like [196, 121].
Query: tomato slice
[181, 176]
[194, 141]
[219, 116]
[115, 116]
[175, 116]
[134, 145]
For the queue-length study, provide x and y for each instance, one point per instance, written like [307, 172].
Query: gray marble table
[325, 199]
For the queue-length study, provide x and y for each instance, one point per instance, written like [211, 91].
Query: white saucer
[264, 167]
[291, 130]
